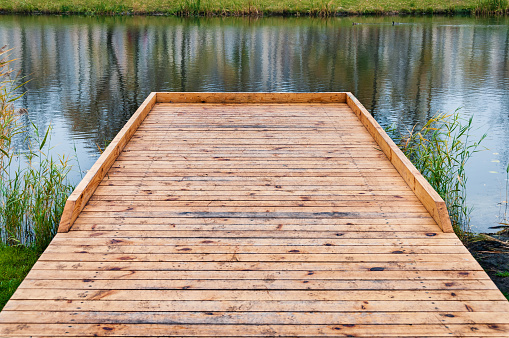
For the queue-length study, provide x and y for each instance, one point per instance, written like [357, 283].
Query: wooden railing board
[190, 97]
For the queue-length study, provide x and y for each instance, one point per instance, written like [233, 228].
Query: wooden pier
[255, 214]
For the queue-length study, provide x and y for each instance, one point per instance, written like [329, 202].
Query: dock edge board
[433, 203]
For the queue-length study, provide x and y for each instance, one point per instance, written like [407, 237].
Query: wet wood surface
[255, 219]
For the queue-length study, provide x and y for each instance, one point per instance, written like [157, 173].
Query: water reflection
[89, 74]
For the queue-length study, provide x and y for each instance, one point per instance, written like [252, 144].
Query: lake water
[89, 74]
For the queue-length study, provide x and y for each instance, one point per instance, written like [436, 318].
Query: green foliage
[440, 151]
[15, 263]
[33, 185]
[490, 7]
[321, 8]
[503, 274]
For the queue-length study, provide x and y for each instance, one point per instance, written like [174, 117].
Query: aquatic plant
[33, 185]
[440, 151]
[504, 212]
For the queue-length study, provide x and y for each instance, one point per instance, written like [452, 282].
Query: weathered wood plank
[242, 257]
[228, 318]
[263, 275]
[259, 249]
[218, 241]
[189, 293]
[494, 307]
[170, 330]
[190, 97]
[254, 234]
[261, 266]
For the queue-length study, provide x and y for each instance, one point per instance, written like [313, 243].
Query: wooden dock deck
[247, 215]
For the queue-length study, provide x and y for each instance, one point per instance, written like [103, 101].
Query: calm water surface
[89, 74]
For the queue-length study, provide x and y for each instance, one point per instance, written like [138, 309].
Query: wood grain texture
[255, 215]
[250, 97]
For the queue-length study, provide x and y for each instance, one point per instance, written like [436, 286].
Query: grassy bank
[256, 7]
[15, 263]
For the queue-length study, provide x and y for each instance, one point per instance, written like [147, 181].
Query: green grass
[440, 150]
[490, 7]
[503, 274]
[255, 7]
[15, 263]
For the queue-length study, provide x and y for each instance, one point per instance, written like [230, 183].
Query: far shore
[320, 8]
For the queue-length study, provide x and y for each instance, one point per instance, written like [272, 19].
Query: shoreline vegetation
[33, 186]
[318, 8]
[440, 150]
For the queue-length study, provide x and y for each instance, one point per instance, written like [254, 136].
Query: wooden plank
[494, 307]
[280, 224]
[259, 249]
[190, 97]
[179, 330]
[430, 241]
[254, 234]
[245, 210]
[170, 186]
[240, 317]
[80, 196]
[228, 289]
[416, 276]
[229, 180]
[189, 293]
[109, 194]
[250, 257]
[254, 203]
[291, 162]
[262, 266]
[287, 214]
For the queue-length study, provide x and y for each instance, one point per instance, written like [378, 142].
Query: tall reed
[491, 7]
[33, 185]
[440, 151]
[504, 205]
